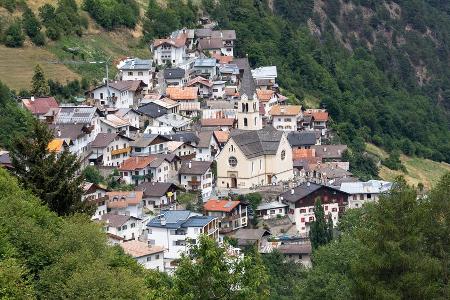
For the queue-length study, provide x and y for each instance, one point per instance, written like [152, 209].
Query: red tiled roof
[222, 136]
[223, 59]
[303, 153]
[264, 95]
[123, 199]
[218, 122]
[177, 42]
[220, 205]
[320, 116]
[138, 162]
[40, 106]
[182, 93]
[201, 80]
[285, 110]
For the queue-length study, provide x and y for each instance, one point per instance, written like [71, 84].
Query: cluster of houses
[194, 118]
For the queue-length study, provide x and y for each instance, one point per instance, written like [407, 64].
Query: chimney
[190, 165]
[181, 139]
[163, 221]
[32, 98]
[292, 191]
[308, 183]
[324, 149]
[58, 133]
[280, 199]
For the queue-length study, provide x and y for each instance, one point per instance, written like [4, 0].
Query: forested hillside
[389, 90]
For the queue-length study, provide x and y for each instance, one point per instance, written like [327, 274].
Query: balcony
[231, 218]
[194, 183]
[121, 151]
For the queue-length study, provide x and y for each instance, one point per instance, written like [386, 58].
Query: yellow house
[254, 157]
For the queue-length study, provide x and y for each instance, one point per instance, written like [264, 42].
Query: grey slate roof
[179, 219]
[254, 143]
[76, 114]
[197, 167]
[302, 138]
[249, 236]
[295, 248]
[302, 191]
[155, 189]
[212, 43]
[103, 140]
[174, 73]
[145, 140]
[68, 131]
[329, 151]
[205, 139]
[116, 220]
[137, 64]
[152, 110]
[247, 85]
[184, 136]
[205, 62]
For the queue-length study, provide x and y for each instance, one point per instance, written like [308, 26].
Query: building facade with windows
[301, 201]
[175, 230]
[256, 157]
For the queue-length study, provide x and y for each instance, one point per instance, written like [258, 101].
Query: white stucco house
[137, 69]
[150, 257]
[175, 230]
[197, 176]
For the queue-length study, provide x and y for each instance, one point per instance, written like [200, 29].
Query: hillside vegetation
[380, 68]
[419, 170]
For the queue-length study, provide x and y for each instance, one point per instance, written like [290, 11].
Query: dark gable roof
[197, 167]
[205, 139]
[255, 143]
[304, 190]
[147, 140]
[174, 73]
[184, 136]
[156, 189]
[152, 110]
[116, 220]
[103, 140]
[248, 85]
[127, 85]
[212, 43]
[302, 138]
[69, 131]
[329, 151]
[295, 248]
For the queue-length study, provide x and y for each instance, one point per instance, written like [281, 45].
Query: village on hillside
[205, 145]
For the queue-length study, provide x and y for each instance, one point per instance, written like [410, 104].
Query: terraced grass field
[421, 170]
[17, 64]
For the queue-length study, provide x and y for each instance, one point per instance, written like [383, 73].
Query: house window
[355, 197]
[302, 210]
[283, 155]
[133, 225]
[140, 74]
[334, 209]
[130, 73]
[311, 219]
[157, 256]
[101, 95]
[369, 196]
[124, 227]
[245, 122]
[326, 207]
[215, 90]
[361, 197]
[302, 220]
[232, 161]
[149, 258]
